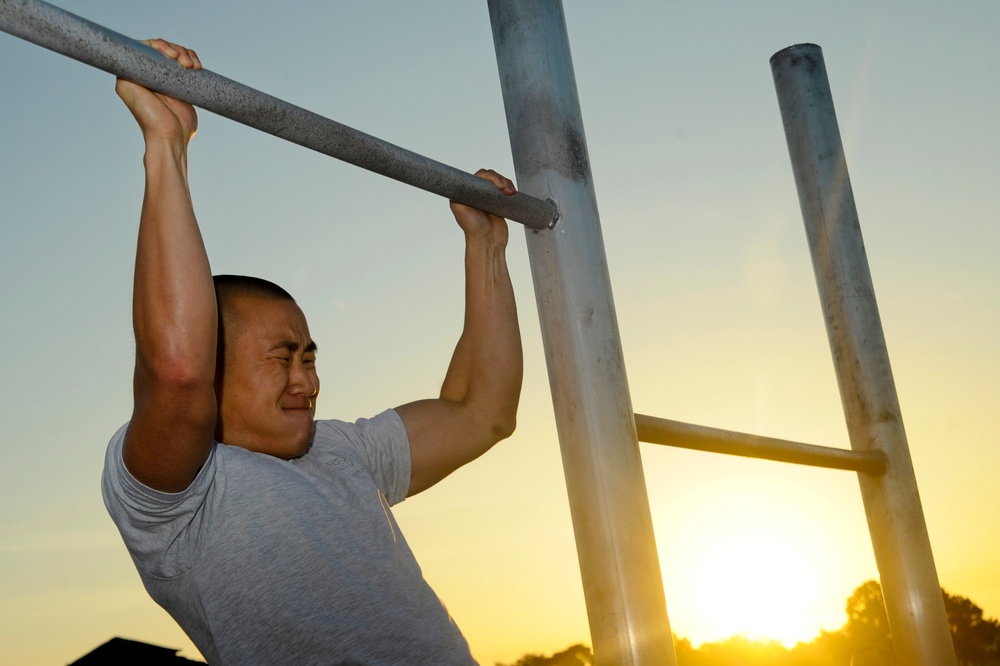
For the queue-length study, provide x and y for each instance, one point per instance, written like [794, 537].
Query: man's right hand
[160, 116]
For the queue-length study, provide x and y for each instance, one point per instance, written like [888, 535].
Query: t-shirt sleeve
[161, 529]
[388, 450]
[384, 448]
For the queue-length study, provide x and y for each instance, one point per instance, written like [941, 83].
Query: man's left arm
[477, 406]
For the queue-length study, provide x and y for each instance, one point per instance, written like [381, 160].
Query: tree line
[864, 640]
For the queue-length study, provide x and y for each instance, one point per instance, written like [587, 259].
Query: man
[264, 533]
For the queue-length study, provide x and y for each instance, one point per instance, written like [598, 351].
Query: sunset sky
[716, 301]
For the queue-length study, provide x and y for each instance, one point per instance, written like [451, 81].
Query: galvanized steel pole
[895, 517]
[607, 492]
[65, 33]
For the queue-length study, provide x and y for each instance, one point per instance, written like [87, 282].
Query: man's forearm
[486, 369]
[174, 311]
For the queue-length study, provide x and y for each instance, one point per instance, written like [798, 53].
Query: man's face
[269, 383]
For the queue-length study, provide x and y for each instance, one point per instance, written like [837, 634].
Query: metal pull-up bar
[70, 35]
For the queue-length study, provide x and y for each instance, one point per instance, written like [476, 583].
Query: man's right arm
[174, 310]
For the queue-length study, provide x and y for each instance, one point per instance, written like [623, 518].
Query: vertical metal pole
[895, 518]
[607, 492]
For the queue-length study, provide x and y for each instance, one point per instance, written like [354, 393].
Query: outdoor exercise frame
[598, 431]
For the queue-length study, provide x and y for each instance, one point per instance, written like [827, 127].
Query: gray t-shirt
[269, 561]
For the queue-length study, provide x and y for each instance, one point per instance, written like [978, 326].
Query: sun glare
[754, 584]
[738, 565]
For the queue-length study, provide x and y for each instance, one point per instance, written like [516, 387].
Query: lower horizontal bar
[700, 438]
[65, 33]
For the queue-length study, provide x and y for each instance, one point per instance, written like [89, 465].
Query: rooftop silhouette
[125, 651]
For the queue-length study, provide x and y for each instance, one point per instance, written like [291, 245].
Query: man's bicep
[443, 437]
[170, 436]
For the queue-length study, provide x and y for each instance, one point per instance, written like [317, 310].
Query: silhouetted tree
[740, 651]
[818, 652]
[975, 637]
[575, 655]
[834, 645]
[864, 640]
[867, 623]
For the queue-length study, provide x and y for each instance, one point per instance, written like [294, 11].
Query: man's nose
[301, 381]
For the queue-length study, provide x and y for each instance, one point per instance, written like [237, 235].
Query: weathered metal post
[607, 492]
[895, 518]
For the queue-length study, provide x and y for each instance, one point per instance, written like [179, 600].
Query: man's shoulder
[379, 445]
[118, 482]
[384, 425]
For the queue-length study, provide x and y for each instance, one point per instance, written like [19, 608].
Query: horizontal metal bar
[65, 33]
[701, 438]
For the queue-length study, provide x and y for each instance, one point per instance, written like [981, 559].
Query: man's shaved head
[229, 288]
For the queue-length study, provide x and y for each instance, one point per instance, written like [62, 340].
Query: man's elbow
[504, 418]
[182, 372]
[503, 428]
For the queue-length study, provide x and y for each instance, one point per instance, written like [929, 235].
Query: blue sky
[716, 301]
